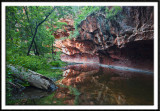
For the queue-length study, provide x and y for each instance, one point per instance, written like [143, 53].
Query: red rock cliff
[126, 40]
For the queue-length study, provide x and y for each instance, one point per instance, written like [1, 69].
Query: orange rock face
[81, 58]
[107, 41]
[71, 47]
[66, 30]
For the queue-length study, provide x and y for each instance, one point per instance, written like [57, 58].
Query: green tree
[39, 19]
[31, 30]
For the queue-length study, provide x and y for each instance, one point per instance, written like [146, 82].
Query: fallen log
[33, 78]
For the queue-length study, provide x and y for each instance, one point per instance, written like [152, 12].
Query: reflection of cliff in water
[99, 85]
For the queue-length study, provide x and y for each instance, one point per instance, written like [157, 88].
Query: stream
[97, 84]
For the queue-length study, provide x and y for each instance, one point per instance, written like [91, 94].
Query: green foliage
[38, 13]
[73, 34]
[51, 73]
[79, 14]
[31, 62]
[9, 78]
[57, 55]
[110, 14]
[48, 56]
[20, 27]
[34, 63]
[57, 63]
[84, 12]
[11, 21]
[60, 24]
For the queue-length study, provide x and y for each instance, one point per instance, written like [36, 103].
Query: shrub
[31, 62]
[57, 63]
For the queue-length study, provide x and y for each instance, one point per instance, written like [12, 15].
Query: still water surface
[100, 85]
[104, 85]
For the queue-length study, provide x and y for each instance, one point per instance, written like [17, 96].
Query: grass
[51, 73]
[57, 63]
[38, 64]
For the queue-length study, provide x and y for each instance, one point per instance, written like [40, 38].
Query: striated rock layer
[126, 40]
[132, 24]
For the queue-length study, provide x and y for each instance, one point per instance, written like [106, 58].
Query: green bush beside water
[57, 63]
[38, 64]
[35, 63]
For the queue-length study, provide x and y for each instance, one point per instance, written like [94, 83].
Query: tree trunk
[52, 50]
[36, 49]
[37, 25]
[52, 41]
[33, 78]
[32, 41]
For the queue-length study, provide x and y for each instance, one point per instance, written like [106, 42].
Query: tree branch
[37, 29]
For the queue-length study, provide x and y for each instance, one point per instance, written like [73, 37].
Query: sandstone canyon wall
[125, 40]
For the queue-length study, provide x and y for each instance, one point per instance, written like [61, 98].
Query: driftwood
[33, 78]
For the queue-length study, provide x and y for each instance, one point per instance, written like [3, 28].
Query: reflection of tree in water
[108, 86]
[65, 94]
[99, 93]
[93, 92]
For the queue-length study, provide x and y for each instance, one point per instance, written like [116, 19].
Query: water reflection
[103, 85]
[30, 93]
